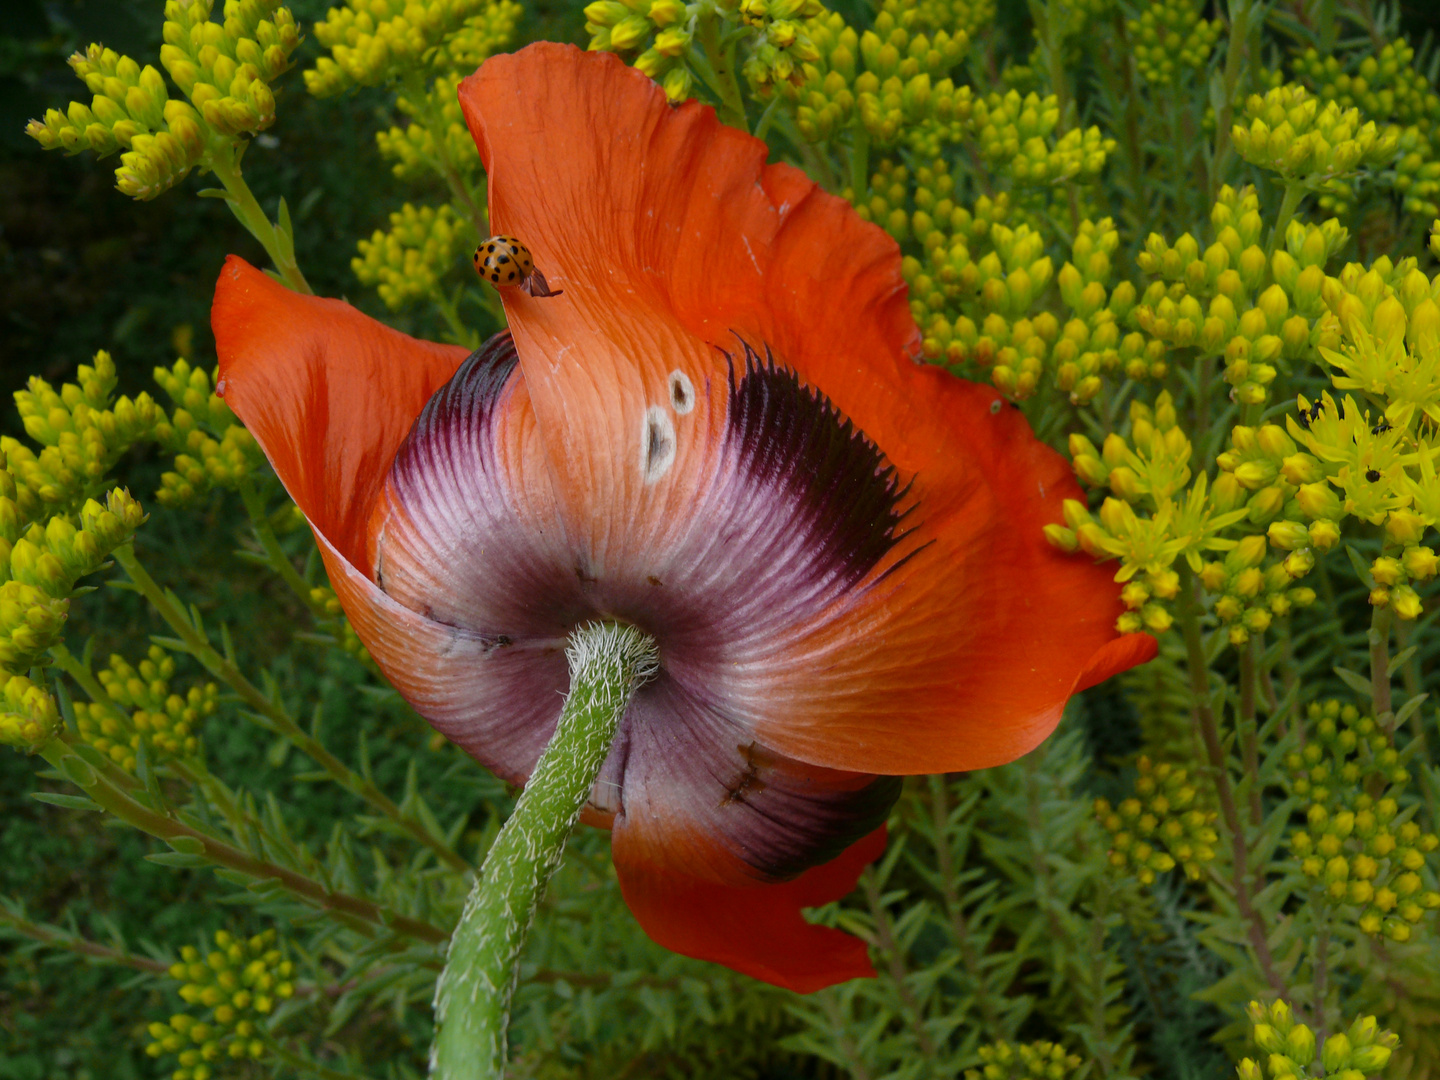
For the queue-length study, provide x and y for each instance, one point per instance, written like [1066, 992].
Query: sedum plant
[1191, 248]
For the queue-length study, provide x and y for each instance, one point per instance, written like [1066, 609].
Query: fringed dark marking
[850, 497]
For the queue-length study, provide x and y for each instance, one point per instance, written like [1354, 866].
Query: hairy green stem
[246, 208]
[1189, 612]
[198, 645]
[608, 662]
[354, 911]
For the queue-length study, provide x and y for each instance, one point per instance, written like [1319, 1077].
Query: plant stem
[274, 553]
[1294, 192]
[246, 208]
[304, 1066]
[61, 939]
[890, 949]
[1379, 638]
[1189, 610]
[135, 813]
[731, 108]
[1234, 59]
[945, 870]
[444, 163]
[843, 1038]
[1245, 724]
[608, 662]
[198, 645]
[1321, 965]
[858, 159]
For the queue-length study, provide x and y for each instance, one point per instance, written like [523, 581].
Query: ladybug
[504, 261]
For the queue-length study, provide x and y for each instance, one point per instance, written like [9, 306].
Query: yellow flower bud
[1248, 553]
[1335, 1054]
[1288, 535]
[1420, 563]
[1324, 534]
[1406, 602]
[1389, 319]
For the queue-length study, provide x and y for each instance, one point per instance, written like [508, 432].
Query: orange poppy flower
[719, 432]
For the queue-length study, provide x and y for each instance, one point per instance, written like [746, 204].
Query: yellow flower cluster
[974, 306]
[962, 16]
[143, 710]
[225, 69]
[40, 569]
[1024, 1061]
[1291, 132]
[901, 89]
[82, 433]
[660, 31]
[781, 43]
[1149, 470]
[1250, 593]
[1360, 847]
[407, 262]
[29, 715]
[1377, 466]
[371, 41]
[436, 136]
[1165, 809]
[1016, 139]
[1356, 1054]
[202, 461]
[977, 280]
[1231, 302]
[240, 983]
[489, 31]
[1170, 37]
[1386, 87]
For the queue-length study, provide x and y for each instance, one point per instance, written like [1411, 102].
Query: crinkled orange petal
[759, 930]
[327, 391]
[675, 244]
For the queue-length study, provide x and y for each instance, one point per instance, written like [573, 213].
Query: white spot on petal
[657, 444]
[682, 392]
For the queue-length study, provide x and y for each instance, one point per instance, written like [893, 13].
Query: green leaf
[69, 802]
[1355, 681]
[1410, 708]
[1362, 568]
[78, 771]
[177, 858]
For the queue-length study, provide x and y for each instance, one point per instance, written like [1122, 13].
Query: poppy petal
[694, 794]
[498, 700]
[673, 241]
[758, 930]
[328, 393]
